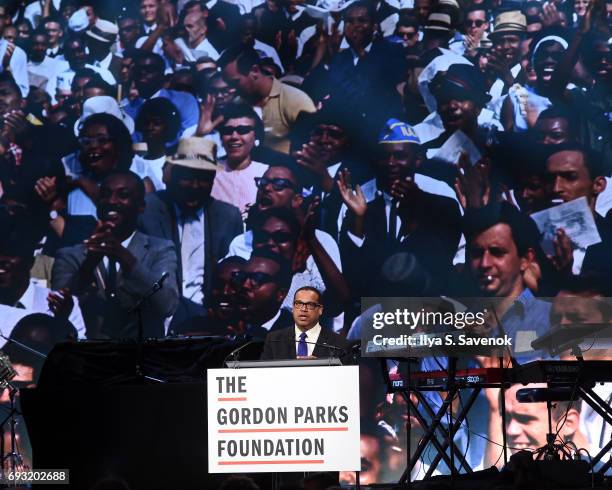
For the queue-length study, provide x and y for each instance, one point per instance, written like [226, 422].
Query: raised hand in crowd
[207, 124]
[309, 158]
[472, 185]
[8, 54]
[61, 303]
[355, 201]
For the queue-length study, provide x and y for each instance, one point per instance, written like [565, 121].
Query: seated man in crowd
[200, 227]
[117, 266]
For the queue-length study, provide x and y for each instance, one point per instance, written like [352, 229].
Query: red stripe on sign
[297, 461]
[300, 429]
[234, 399]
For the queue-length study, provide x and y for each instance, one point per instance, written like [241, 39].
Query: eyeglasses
[477, 22]
[308, 306]
[96, 140]
[229, 130]
[257, 279]
[332, 133]
[277, 184]
[260, 236]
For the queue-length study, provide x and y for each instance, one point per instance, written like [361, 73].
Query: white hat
[78, 21]
[103, 104]
[104, 31]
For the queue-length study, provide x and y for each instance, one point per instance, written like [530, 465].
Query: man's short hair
[157, 59]
[362, 4]
[7, 77]
[561, 111]
[235, 111]
[284, 275]
[523, 229]
[283, 214]
[311, 289]
[244, 56]
[592, 159]
[135, 178]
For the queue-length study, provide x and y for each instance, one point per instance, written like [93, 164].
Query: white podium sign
[283, 419]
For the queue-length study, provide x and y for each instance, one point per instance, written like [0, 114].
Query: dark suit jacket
[434, 242]
[107, 317]
[280, 344]
[222, 222]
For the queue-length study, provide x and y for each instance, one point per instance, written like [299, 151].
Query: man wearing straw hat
[200, 227]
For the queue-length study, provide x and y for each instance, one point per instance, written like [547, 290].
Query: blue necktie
[302, 349]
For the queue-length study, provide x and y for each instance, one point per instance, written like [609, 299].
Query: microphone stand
[140, 340]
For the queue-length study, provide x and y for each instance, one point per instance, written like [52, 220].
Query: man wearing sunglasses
[476, 24]
[306, 339]
[262, 284]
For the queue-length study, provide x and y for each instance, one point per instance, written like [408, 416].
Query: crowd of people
[246, 149]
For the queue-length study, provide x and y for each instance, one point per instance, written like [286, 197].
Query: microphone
[235, 352]
[322, 344]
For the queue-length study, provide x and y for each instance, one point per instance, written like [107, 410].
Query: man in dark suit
[117, 265]
[306, 339]
[392, 214]
[200, 227]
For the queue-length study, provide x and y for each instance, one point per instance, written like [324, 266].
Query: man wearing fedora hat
[200, 226]
[100, 38]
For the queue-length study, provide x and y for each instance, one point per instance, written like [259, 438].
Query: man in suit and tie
[392, 214]
[117, 265]
[200, 227]
[306, 338]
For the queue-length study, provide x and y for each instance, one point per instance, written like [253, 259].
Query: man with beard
[200, 227]
[197, 42]
[118, 265]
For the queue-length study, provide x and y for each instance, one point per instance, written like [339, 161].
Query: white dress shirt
[312, 335]
[191, 238]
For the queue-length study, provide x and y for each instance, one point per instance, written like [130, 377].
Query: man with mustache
[200, 226]
[117, 265]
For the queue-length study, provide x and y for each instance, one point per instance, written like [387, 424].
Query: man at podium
[306, 339]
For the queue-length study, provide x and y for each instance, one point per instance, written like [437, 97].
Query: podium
[283, 416]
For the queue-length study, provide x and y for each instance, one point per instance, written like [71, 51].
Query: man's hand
[353, 198]
[406, 192]
[500, 66]
[15, 125]
[166, 15]
[8, 54]
[563, 260]
[61, 303]
[103, 243]
[206, 124]
[46, 188]
[309, 158]
[472, 184]
[550, 15]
